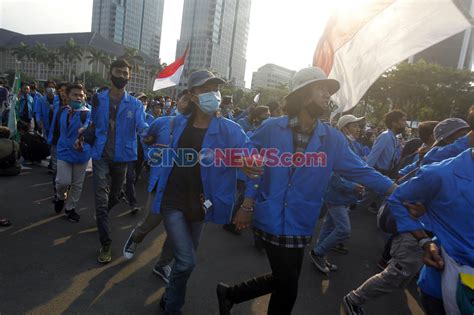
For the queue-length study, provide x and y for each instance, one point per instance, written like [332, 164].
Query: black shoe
[231, 228]
[134, 210]
[163, 303]
[58, 205]
[225, 304]
[319, 262]
[340, 248]
[72, 215]
[350, 308]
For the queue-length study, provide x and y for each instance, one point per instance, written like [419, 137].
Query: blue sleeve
[421, 188]
[377, 149]
[346, 185]
[439, 154]
[140, 123]
[37, 109]
[352, 167]
[88, 119]
[407, 169]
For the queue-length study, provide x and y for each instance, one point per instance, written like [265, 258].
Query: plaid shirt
[301, 139]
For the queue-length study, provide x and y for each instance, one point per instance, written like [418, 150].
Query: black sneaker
[330, 266]
[340, 248]
[225, 304]
[134, 210]
[163, 271]
[72, 215]
[350, 308]
[320, 262]
[58, 205]
[163, 303]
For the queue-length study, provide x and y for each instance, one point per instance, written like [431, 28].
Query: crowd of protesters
[422, 188]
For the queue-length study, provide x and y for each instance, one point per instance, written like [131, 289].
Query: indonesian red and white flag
[170, 75]
[360, 43]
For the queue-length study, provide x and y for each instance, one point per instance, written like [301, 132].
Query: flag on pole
[170, 75]
[358, 45]
[256, 98]
[13, 104]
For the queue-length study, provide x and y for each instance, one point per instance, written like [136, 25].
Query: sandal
[5, 222]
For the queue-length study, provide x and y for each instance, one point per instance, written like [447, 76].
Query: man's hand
[432, 256]
[242, 219]
[416, 210]
[79, 144]
[359, 189]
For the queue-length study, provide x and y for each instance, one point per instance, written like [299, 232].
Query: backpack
[34, 147]
[9, 160]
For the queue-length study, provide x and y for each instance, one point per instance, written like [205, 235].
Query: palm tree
[70, 53]
[21, 52]
[96, 56]
[39, 54]
[52, 58]
[105, 61]
[133, 57]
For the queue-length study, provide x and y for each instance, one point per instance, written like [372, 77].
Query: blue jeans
[184, 237]
[336, 228]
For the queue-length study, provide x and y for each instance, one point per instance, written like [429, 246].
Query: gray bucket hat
[313, 75]
[201, 77]
[447, 128]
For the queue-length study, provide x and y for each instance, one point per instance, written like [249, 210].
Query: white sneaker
[130, 247]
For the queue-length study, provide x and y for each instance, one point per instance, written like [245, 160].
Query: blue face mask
[209, 102]
[75, 104]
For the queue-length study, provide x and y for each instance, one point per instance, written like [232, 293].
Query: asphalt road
[48, 264]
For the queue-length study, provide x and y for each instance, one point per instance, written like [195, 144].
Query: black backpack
[9, 160]
[34, 147]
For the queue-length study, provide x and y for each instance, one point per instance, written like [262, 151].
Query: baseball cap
[448, 127]
[201, 77]
[348, 119]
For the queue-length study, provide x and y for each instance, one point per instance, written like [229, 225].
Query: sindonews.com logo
[233, 157]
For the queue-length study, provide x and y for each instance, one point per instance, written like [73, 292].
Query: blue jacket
[289, 204]
[438, 154]
[149, 119]
[130, 119]
[29, 102]
[52, 125]
[219, 183]
[68, 136]
[429, 280]
[43, 109]
[446, 190]
[245, 124]
[385, 152]
[160, 129]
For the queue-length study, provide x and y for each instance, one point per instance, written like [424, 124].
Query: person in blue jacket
[53, 135]
[188, 195]
[45, 107]
[25, 110]
[340, 194]
[117, 117]
[159, 134]
[285, 201]
[72, 160]
[445, 190]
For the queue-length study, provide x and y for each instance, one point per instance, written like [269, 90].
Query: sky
[283, 32]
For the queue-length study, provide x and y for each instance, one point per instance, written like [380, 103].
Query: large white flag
[358, 45]
[170, 75]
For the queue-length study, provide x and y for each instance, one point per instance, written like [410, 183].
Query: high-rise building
[132, 23]
[271, 76]
[216, 32]
[455, 51]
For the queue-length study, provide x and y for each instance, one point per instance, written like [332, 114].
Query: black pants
[282, 283]
[431, 305]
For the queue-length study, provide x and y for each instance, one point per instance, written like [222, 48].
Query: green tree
[93, 80]
[22, 52]
[424, 91]
[96, 57]
[39, 53]
[52, 58]
[70, 52]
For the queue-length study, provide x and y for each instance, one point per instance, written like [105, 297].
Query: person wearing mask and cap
[117, 118]
[158, 134]
[45, 107]
[72, 158]
[188, 196]
[341, 193]
[285, 201]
